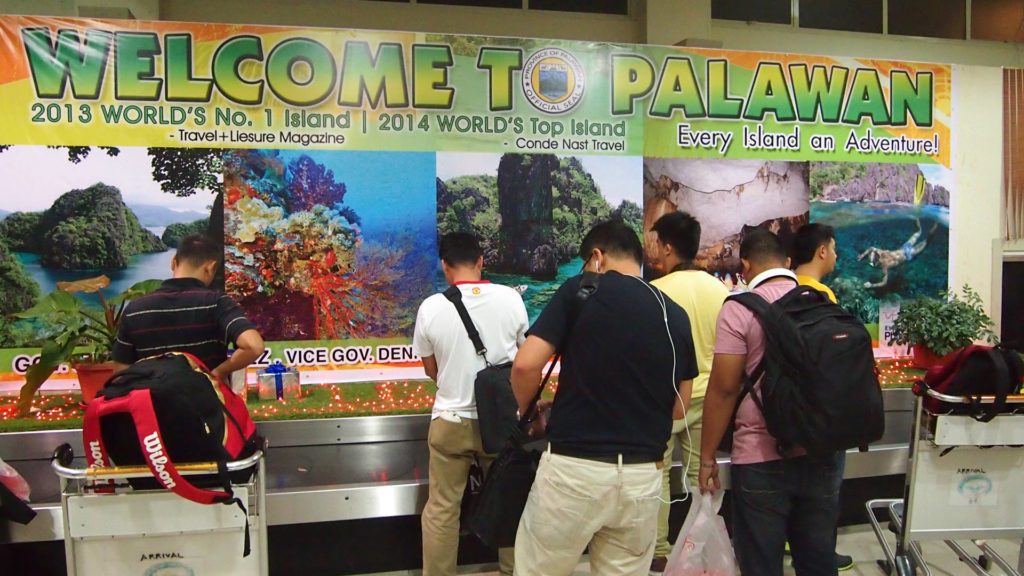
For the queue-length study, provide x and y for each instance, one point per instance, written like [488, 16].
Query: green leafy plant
[943, 324]
[84, 334]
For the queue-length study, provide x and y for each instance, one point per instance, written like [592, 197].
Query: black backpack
[819, 384]
[197, 418]
[165, 410]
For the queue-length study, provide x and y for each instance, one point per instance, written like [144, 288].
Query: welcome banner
[75, 82]
[330, 160]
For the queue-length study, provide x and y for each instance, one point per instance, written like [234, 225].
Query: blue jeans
[796, 498]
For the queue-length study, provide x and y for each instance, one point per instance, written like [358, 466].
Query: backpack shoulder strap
[762, 311]
[454, 295]
[139, 404]
[753, 302]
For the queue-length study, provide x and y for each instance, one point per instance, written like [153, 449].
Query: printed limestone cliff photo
[76, 212]
[857, 182]
[532, 216]
[531, 211]
[87, 229]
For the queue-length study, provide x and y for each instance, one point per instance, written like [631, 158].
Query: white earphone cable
[660, 297]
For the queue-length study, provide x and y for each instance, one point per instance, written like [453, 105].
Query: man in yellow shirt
[702, 296]
[813, 256]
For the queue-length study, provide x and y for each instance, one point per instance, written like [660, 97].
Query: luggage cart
[963, 483]
[112, 529]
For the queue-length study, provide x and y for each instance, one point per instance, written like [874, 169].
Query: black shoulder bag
[495, 403]
[502, 499]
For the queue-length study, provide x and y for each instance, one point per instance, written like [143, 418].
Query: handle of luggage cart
[64, 455]
[1012, 399]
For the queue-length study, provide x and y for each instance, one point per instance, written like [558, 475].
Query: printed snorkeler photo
[886, 259]
[892, 230]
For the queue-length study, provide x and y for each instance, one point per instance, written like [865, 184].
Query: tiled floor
[856, 541]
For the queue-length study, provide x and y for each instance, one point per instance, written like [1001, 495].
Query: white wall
[976, 203]
[362, 14]
[137, 9]
[40, 7]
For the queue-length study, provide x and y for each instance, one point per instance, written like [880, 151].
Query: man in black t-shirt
[627, 368]
[184, 315]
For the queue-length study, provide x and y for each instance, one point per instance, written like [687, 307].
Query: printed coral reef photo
[329, 245]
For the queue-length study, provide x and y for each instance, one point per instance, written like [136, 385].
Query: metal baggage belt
[358, 468]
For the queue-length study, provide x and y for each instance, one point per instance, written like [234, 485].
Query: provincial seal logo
[553, 80]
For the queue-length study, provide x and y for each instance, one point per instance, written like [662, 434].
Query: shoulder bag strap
[455, 296]
[588, 286]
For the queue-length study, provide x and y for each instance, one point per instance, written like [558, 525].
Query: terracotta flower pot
[924, 358]
[91, 378]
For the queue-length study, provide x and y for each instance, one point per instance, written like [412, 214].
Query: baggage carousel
[348, 476]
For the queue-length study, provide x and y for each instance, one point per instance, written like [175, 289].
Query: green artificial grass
[63, 411]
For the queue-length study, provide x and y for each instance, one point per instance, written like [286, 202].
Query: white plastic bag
[10, 478]
[703, 547]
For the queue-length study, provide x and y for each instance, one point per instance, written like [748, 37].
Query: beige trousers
[691, 451]
[576, 502]
[452, 448]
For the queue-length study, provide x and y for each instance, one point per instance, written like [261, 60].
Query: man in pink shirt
[774, 496]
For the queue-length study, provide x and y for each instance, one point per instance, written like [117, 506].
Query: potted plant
[934, 327]
[85, 334]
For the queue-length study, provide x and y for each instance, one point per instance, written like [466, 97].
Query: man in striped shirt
[185, 315]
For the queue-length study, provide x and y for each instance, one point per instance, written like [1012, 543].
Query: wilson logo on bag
[169, 409]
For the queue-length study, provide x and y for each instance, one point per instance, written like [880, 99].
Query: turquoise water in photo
[537, 294]
[142, 267]
[885, 226]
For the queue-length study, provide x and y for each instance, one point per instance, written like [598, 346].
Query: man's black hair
[615, 238]
[680, 231]
[761, 246]
[460, 249]
[807, 241]
[198, 249]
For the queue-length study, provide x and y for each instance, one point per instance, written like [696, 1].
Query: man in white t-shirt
[449, 358]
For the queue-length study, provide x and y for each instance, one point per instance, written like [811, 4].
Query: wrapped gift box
[279, 382]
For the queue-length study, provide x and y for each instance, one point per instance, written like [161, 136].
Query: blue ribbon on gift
[278, 370]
